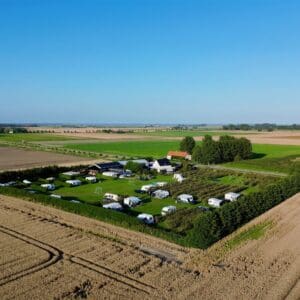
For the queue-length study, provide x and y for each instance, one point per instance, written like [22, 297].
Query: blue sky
[150, 61]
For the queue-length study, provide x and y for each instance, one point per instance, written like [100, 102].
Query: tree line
[226, 149]
[261, 127]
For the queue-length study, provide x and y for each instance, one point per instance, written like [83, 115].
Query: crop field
[183, 133]
[50, 254]
[32, 137]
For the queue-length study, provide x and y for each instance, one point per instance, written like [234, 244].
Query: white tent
[146, 218]
[160, 194]
[185, 198]
[113, 206]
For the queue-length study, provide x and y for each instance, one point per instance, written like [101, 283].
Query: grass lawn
[276, 158]
[130, 148]
[32, 137]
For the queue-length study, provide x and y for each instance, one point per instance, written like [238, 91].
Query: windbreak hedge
[212, 226]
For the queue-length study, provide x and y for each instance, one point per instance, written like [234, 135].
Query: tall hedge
[212, 226]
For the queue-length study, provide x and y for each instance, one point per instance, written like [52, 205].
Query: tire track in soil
[55, 255]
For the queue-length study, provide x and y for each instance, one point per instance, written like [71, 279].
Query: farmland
[32, 137]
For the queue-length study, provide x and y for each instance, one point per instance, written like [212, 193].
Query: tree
[188, 144]
[210, 151]
[134, 167]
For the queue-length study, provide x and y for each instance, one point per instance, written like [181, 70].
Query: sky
[150, 61]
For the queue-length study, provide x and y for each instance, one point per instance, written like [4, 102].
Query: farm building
[179, 154]
[146, 218]
[215, 202]
[132, 201]
[178, 177]
[91, 179]
[74, 182]
[104, 167]
[163, 165]
[168, 210]
[232, 196]
[185, 198]
[160, 194]
[48, 186]
[113, 206]
[111, 174]
[110, 196]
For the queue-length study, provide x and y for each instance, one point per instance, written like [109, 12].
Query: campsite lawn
[32, 137]
[129, 148]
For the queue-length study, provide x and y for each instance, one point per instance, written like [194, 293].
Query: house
[112, 197]
[71, 173]
[162, 165]
[215, 202]
[25, 181]
[74, 182]
[146, 218]
[179, 154]
[168, 210]
[91, 179]
[185, 198]
[48, 186]
[160, 194]
[232, 196]
[132, 201]
[111, 174]
[113, 206]
[178, 177]
[109, 166]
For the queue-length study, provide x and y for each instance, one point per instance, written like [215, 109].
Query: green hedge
[212, 226]
[95, 212]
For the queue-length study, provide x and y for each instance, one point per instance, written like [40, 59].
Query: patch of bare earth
[16, 159]
[50, 254]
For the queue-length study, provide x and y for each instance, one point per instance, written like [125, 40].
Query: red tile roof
[177, 154]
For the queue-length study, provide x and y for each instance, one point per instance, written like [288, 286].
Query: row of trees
[14, 129]
[261, 127]
[214, 225]
[226, 149]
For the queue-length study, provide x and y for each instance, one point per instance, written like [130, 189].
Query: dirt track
[15, 159]
[50, 254]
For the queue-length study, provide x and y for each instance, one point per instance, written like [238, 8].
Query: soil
[50, 254]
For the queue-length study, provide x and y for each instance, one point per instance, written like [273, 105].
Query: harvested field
[15, 159]
[50, 254]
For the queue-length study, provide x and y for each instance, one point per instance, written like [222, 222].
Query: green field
[32, 137]
[130, 148]
[183, 133]
[277, 158]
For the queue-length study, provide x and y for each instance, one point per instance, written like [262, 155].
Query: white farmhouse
[215, 202]
[132, 201]
[163, 165]
[185, 198]
[232, 196]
